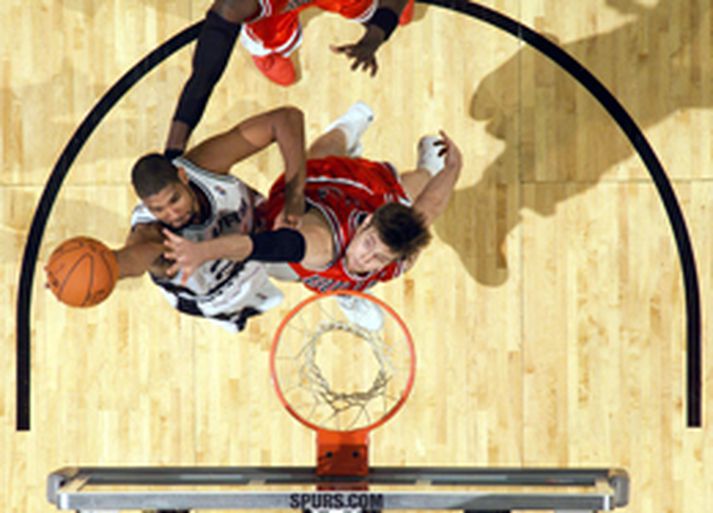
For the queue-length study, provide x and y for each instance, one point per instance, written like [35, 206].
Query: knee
[328, 145]
[235, 11]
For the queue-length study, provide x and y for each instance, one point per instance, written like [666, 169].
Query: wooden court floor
[548, 312]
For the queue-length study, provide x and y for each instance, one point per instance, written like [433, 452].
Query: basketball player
[271, 32]
[364, 223]
[194, 196]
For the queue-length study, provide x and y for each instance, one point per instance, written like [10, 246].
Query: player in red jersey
[365, 223]
[350, 198]
[271, 32]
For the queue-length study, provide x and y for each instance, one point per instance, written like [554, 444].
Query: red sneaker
[407, 13]
[277, 68]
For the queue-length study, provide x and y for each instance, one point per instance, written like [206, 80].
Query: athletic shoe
[428, 154]
[353, 123]
[362, 312]
[277, 68]
[407, 13]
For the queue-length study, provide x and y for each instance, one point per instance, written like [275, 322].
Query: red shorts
[276, 28]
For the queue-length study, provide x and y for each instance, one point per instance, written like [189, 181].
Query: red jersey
[276, 27]
[344, 190]
[360, 10]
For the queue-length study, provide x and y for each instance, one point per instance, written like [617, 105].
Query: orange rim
[409, 343]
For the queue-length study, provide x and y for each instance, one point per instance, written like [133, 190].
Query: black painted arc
[49, 195]
[474, 10]
[653, 165]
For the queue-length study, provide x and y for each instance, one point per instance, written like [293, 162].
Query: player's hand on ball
[82, 271]
[187, 256]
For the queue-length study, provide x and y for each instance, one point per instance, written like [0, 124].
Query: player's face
[173, 205]
[367, 252]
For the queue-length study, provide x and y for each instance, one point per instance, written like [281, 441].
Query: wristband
[172, 153]
[386, 19]
[283, 245]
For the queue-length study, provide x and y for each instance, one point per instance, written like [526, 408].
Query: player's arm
[310, 245]
[378, 30]
[216, 40]
[283, 245]
[284, 126]
[143, 251]
[434, 198]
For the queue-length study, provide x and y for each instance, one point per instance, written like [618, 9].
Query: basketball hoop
[343, 363]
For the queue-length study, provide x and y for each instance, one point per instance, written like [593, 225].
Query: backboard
[300, 488]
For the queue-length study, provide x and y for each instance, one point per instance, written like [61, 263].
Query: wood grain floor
[548, 312]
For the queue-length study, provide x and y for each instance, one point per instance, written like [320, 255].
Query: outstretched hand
[454, 159]
[363, 52]
[187, 256]
[363, 56]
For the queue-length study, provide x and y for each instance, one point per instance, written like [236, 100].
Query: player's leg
[407, 13]
[353, 10]
[212, 51]
[342, 136]
[236, 11]
[362, 10]
[331, 143]
[429, 163]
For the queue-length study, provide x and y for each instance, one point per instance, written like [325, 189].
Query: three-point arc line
[518, 30]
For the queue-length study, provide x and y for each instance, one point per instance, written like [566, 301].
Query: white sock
[428, 154]
[353, 124]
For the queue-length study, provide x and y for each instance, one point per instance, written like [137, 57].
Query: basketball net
[341, 378]
[344, 403]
